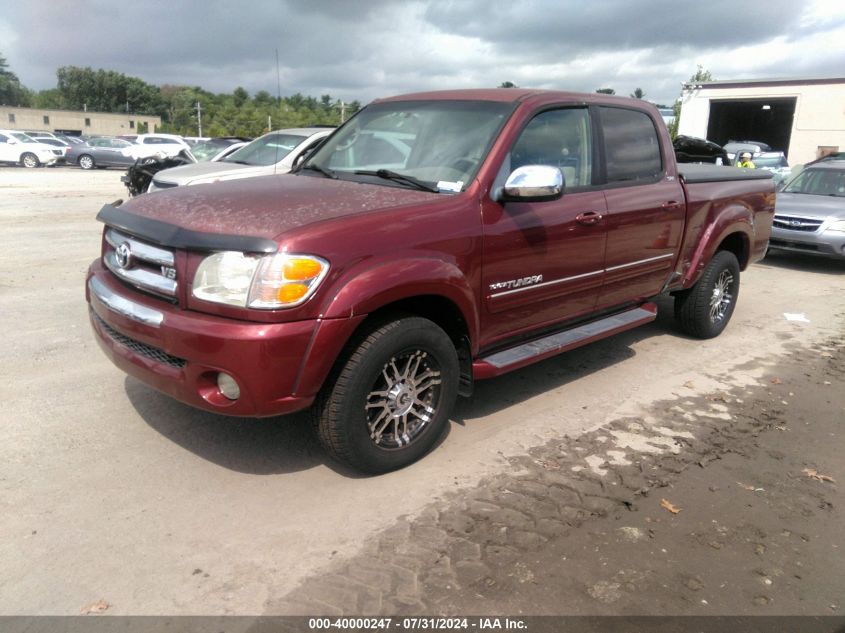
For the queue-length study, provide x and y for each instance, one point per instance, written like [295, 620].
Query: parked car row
[34, 148]
[19, 148]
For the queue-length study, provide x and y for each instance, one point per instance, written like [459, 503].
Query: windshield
[269, 149]
[23, 138]
[206, 150]
[819, 182]
[442, 143]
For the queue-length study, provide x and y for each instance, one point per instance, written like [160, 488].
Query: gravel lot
[112, 492]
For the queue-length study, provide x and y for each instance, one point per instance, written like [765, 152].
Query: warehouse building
[77, 123]
[804, 118]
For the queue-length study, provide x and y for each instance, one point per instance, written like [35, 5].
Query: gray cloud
[361, 50]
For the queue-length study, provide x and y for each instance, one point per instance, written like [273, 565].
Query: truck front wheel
[704, 310]
[391, 398]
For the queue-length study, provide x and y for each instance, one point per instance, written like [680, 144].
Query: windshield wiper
[397, 177]
[328, 173]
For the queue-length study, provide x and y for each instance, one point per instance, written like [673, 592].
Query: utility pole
[342, 111]
[199, 119]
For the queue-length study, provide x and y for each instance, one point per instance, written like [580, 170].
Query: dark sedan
[101, 151]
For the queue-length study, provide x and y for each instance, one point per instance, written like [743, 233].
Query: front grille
[57, 152]
[792, 223]
[153, 353]
[146, 266]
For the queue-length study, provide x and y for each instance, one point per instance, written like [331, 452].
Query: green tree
[241, 96]
[700, 75]
[508, 84]
[263, 98]
[50, 99]
[11, 91]
[606, 91]
[638, 94]
[106, 91]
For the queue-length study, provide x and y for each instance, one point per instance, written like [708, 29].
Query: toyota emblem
[123, 255]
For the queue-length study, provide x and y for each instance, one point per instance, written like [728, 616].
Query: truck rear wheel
[704, 310]
[392, 397]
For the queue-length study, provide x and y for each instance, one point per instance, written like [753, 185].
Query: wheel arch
[335, 338]
[733, 232]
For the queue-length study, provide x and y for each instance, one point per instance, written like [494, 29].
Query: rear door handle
[589, 217]
[672, 204]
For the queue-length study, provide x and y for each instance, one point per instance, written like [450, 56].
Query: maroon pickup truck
[433, 240]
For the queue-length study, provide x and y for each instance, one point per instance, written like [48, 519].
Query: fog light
[228, 387]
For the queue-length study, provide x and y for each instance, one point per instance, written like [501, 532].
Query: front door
[544, 261]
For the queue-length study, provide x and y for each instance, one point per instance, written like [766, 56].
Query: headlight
[276, 281]
[838, 226]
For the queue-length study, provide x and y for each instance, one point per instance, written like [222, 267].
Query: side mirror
[533, 183]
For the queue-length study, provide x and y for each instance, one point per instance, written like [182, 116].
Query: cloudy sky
[363, 50]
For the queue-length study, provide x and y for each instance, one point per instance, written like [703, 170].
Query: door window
[631, 145]
[558, 138]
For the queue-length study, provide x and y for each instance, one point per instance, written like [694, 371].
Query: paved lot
[110, 491]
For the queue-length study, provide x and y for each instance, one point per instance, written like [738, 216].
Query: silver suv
[810, 212]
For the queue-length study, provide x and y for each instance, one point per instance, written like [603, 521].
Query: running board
[542, 348]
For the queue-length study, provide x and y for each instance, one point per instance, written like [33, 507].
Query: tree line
[221, 114]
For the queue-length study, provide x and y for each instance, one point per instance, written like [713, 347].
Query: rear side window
[631, 145]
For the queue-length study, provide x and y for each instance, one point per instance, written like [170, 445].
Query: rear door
[645, 208]
[543, 261]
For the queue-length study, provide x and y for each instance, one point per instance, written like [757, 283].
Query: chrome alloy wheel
[722, 297]
[403, 400]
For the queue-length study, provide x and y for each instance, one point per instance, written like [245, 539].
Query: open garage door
[766, 120]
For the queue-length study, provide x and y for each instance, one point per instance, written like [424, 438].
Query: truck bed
[693, 173]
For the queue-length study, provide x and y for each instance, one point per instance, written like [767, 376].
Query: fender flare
[732, 220]
[364, 290]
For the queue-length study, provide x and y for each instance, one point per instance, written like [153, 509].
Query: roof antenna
[278, 105]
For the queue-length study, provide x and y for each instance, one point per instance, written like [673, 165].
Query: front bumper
[822, 242]
[180, 352]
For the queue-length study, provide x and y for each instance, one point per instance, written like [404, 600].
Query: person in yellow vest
[745, 161]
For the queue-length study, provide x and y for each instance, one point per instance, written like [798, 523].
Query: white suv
[274, 153]
[17, 147]
[160, 145]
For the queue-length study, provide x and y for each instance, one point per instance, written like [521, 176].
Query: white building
[804, 118]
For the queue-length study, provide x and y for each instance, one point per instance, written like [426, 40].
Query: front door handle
[672, 204]
[589, 217]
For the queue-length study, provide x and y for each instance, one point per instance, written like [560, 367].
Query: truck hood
[269, 206]
[802, 205]
[185, 174]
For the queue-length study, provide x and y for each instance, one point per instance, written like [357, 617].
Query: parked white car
[274, 153]
[17, 147]
[158, 145]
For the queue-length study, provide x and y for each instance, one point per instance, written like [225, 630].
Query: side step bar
[539, 349]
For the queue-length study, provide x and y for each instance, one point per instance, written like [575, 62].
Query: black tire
[704, 310]
[30, 160]
[366, 416]
[86, 161]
